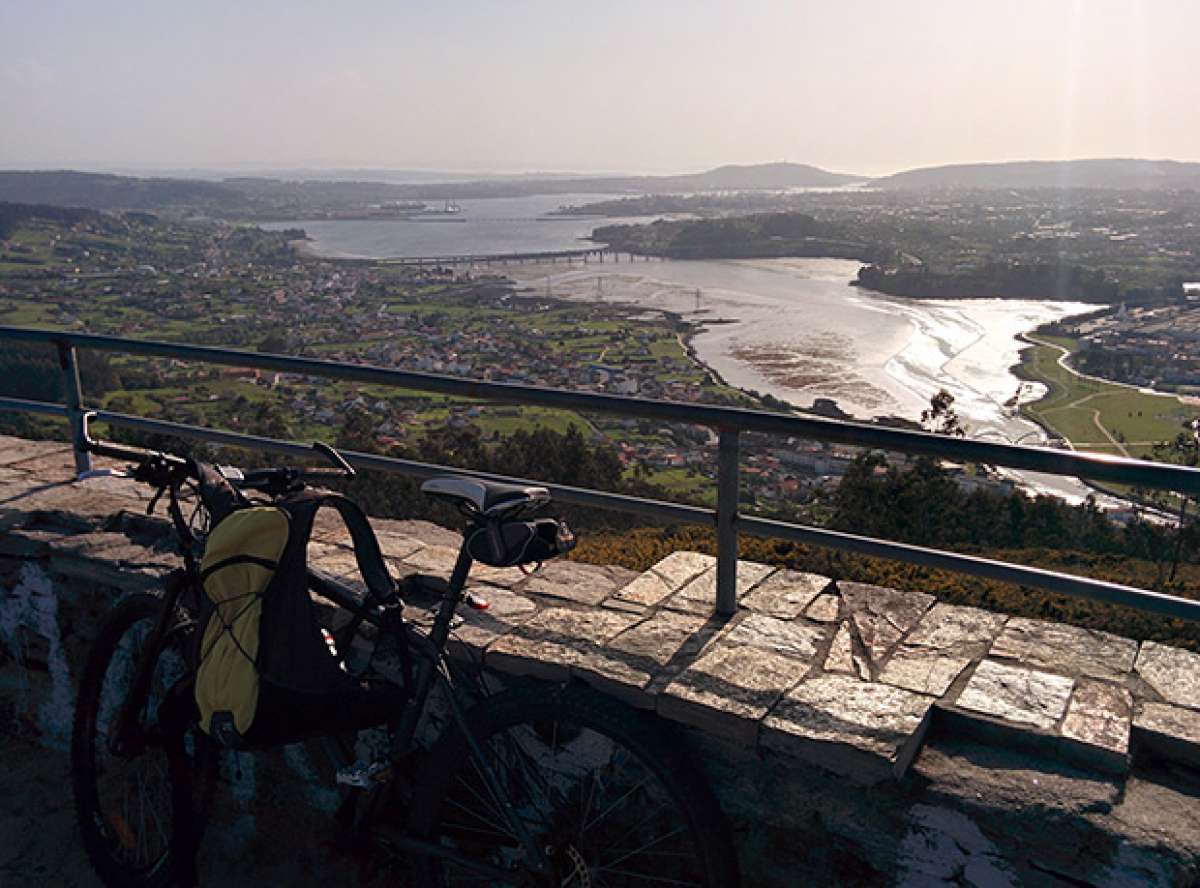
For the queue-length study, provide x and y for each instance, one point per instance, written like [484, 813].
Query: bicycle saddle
[486, 497]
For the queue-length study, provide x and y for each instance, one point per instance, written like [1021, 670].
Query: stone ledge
[788, 706]
[765, 678]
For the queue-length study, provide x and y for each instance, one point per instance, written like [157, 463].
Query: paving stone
[477, 629]
[647, 589]
[954, 629]
[14, 451]
[398, 546]
[679, 568]
[1172, 732]
[665, 636]
[794, 638]
[505, 577]
[668, 643]
[786, 593]
[1173, 672]
[1017, 694]
[617, 675]
[89, 545]
[555, 640]
[843, 657]
[824, 608]
[629, 607]
[924, 670]
[437, 560]
[700, 595]
[425, 532]
[581, 583]
[861, 729]
[882, 615]
[729, 689]
[1067, 649]
[1099, 715]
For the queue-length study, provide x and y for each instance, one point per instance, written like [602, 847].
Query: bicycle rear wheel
[605, 795]
[123, 798]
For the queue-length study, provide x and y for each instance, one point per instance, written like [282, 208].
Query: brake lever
[334, 457]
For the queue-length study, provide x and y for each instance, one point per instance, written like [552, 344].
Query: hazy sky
[848, 85]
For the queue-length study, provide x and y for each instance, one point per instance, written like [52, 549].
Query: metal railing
[729, 422]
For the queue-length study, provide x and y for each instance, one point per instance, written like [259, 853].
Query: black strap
[238, 559]
[219, 496]
[366, 547]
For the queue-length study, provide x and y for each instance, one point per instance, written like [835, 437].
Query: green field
[1098, 416]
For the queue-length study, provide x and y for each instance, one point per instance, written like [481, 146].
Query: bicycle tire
[517, 730]
[108, 834]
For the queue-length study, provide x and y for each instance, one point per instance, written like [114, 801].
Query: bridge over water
[584, 255]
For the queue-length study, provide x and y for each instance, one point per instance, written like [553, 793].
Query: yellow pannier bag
[241, 557]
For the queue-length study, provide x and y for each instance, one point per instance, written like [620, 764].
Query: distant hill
[269, 197]
[761, 176]
[101, 191]
[1099, 173]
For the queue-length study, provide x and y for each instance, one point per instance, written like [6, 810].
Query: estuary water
[492, 226]
[793, 328]
[796, 329]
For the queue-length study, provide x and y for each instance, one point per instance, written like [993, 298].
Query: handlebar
[160, 469]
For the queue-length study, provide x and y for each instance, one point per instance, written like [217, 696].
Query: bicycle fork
[129, 738]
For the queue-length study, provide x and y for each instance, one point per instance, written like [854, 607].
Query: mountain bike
[526, 784]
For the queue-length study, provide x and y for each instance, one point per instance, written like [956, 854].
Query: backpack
[268, 674]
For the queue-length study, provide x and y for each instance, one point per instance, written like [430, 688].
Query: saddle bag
[512, 543]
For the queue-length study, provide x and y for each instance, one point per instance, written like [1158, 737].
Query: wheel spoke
[650, 844]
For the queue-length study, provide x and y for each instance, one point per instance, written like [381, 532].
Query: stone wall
[855, 735]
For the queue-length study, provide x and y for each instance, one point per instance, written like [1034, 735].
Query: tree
[1183, 449]
[941, 418]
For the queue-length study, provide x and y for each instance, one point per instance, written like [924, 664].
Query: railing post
[74, 397]
[727, 505]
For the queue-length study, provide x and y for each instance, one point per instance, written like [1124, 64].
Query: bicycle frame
[432, 666]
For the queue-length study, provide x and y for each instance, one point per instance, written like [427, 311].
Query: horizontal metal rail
[730, 422]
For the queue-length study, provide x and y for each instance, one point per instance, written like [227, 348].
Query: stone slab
[437, 560]
[700, 595]
[795, 638]
[479, 628]
[1173, 672]
[924, 670]
[554, 641]
[842, 656]
[1171, 732]
[882, 616]
[571, 581]
[647, 589]
[824, 608]
[1017, 694]
[14, 451]
[786, 593]
[1099, 715]
[667, 644]
[1070, 650]
[954, 629]
[863, 730]
[680, 568]
[398, 546]
[729, 689]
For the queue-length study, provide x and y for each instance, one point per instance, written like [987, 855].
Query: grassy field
[1098, 416]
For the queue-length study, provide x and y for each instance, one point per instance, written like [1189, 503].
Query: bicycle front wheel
[598, 787]
[123, 795]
